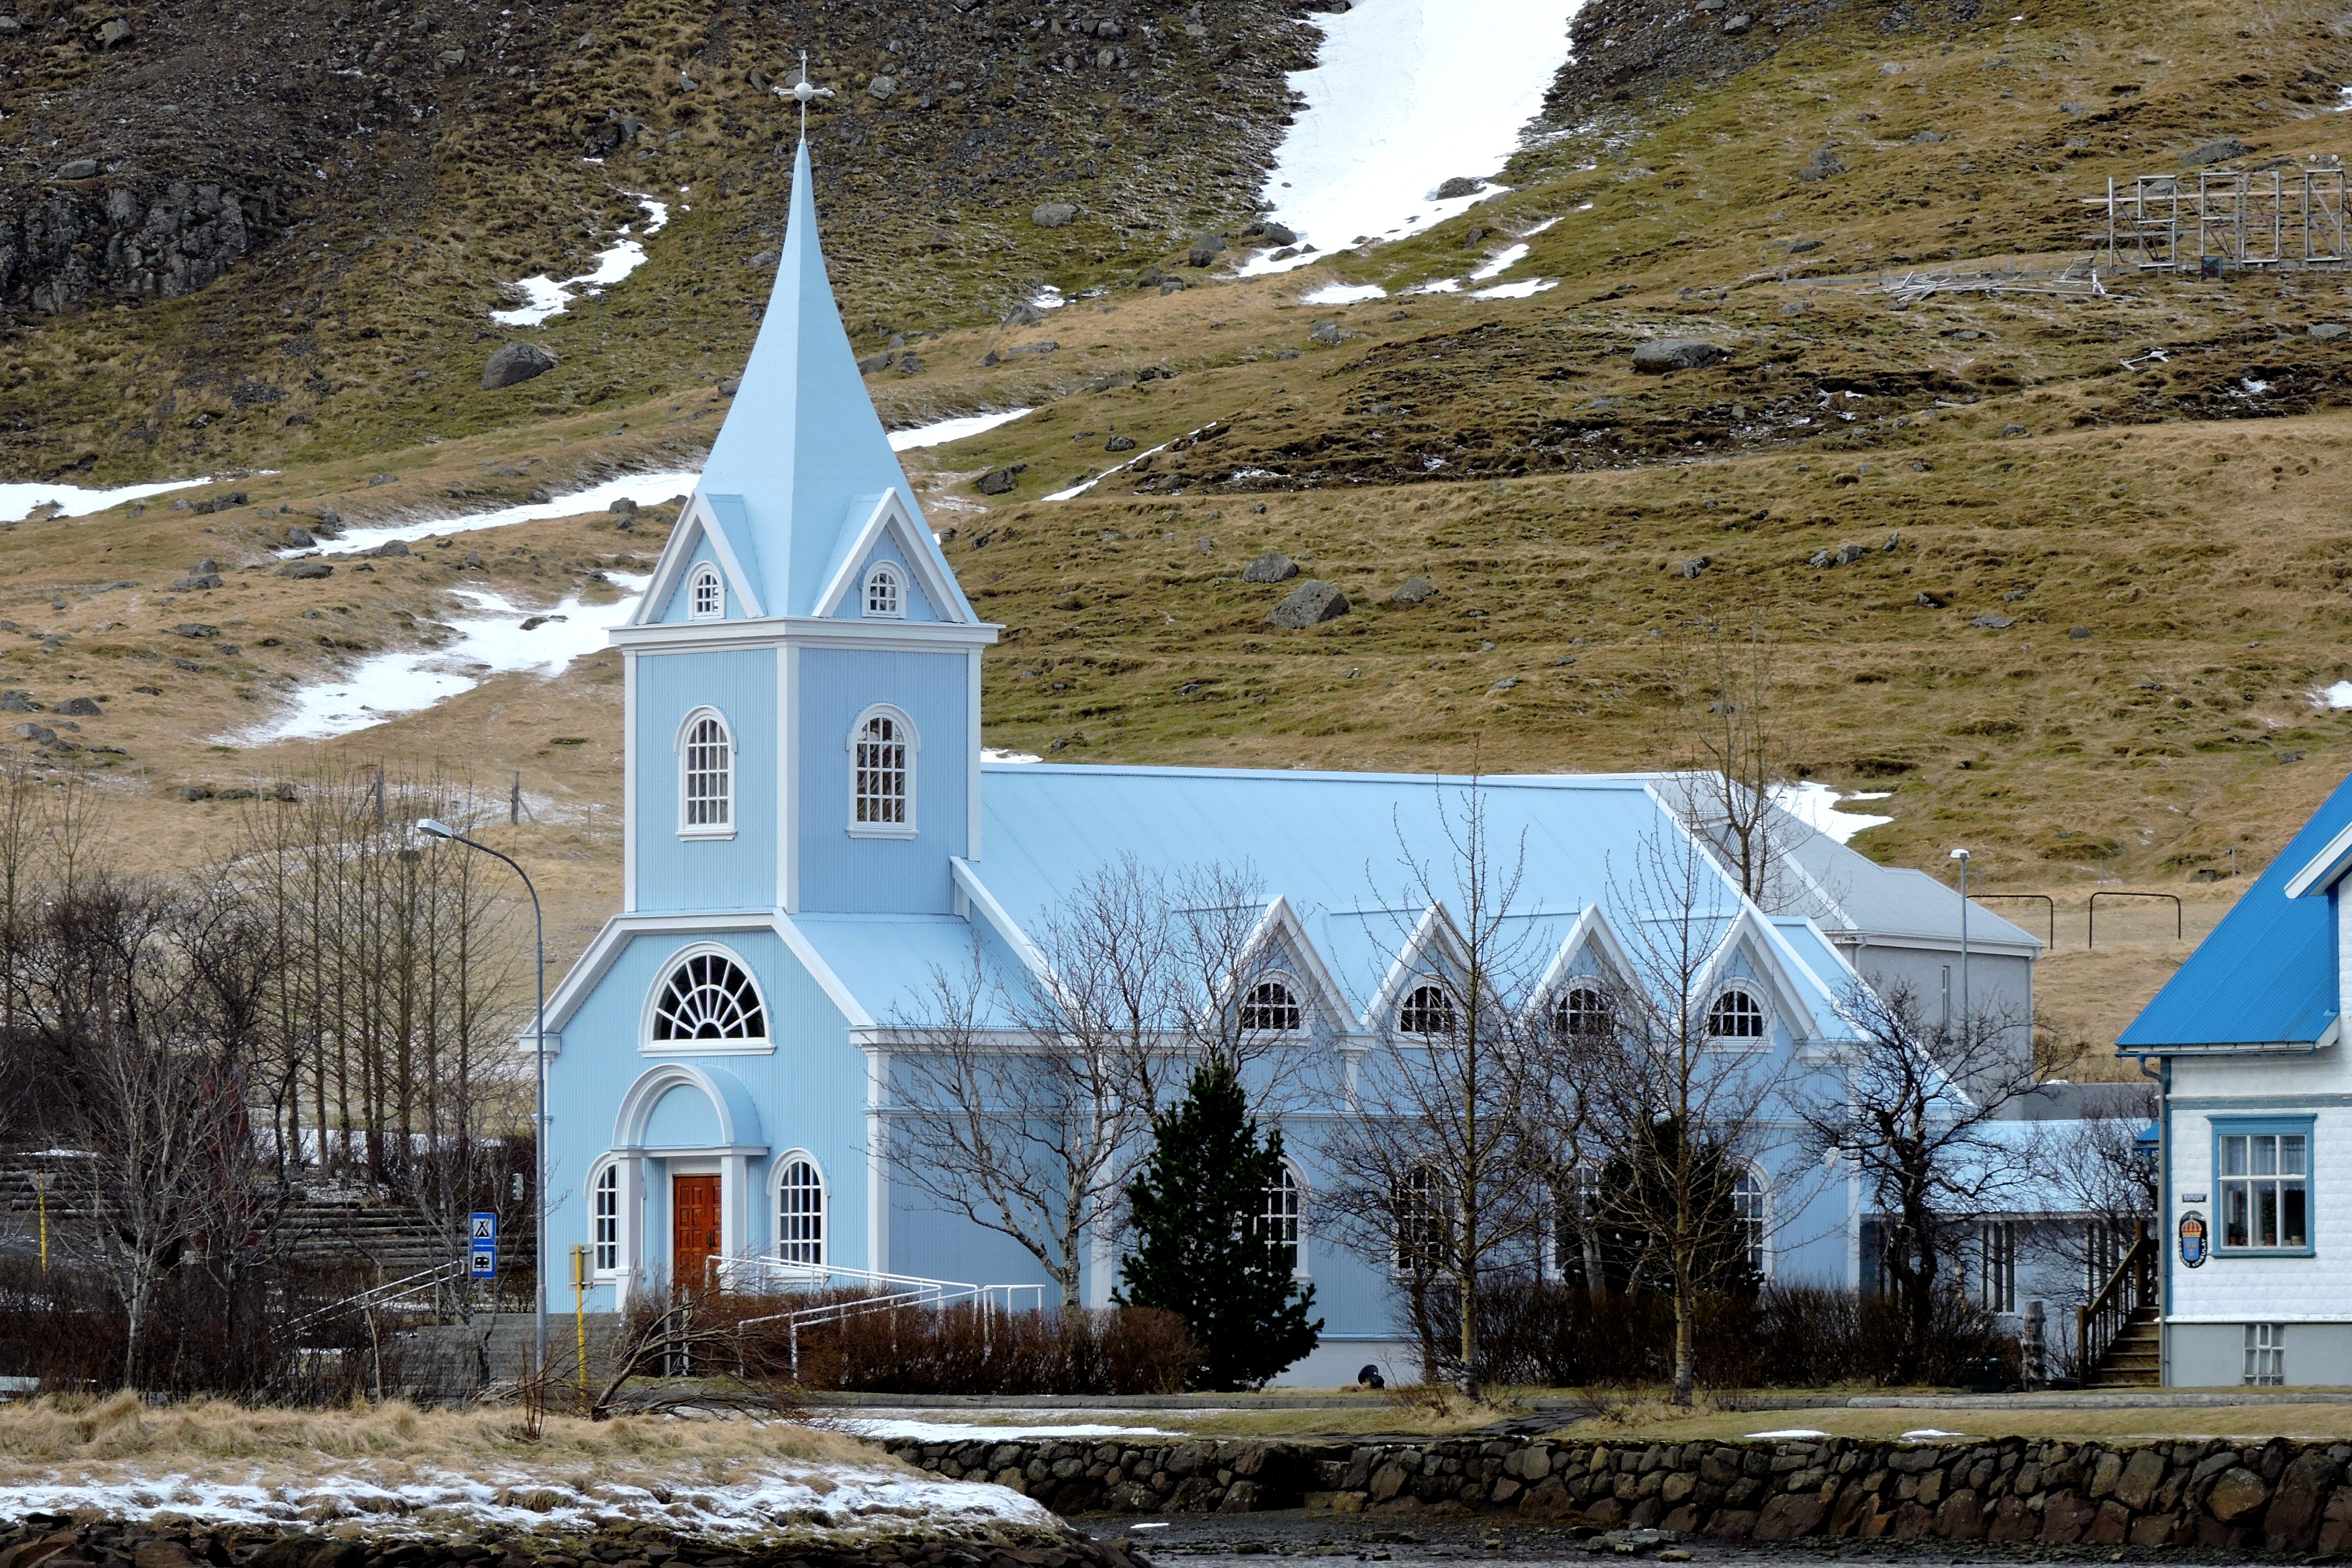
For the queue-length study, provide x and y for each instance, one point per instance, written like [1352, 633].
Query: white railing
[878, 1292]
[425, 1285]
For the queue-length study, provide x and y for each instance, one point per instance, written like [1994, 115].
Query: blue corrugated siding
[2267, 973]
[838, 872]
[739, 873]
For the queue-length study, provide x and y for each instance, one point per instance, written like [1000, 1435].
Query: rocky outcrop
[2211, 1494]
[74, 241]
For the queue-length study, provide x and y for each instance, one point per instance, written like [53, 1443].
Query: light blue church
[813, 836]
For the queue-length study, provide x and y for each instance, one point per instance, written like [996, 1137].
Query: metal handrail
[2131, 1287]
[411, 1285]
[889, 1292]
[2091, 929]
[2050, 903]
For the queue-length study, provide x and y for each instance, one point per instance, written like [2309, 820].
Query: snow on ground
[1520, 290]
[1078, 490]
[387, 685]
[1926, 1433]
[811, 1499]
[964, 1431]
[941, 432]
[2337, 697]
[544, 296]
[1790, 1432]
[992, 755]
[1815, 803]
[1344, 294]
[18, 501]
[1405, 95]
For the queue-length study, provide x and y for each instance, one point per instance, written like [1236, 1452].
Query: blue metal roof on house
[2266, 974]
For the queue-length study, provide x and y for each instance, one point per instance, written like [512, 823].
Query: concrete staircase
[2135, 1356]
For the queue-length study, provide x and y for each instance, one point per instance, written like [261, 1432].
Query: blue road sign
[485, 1264]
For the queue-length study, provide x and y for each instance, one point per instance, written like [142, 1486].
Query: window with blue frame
[2262, 1180]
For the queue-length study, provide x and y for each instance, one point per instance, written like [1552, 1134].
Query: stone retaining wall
[2278, 1495]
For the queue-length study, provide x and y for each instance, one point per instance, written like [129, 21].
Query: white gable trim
[892, 514]
[603, 952]
[967, 883]
[1592, 930]
[2323, 869]
[1773, 961]
[1278, 927]
[697, 524]
[1433, 935]
[839, 994]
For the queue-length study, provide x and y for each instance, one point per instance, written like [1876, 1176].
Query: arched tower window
[1280, 1218]
[706, 776]
[882, 775]
[709, 997]
[1428, 1011]
[605, 1238]
[1737, 1017]
[1271, 1005]
[885, 599]
[800, 1212]
[706, 599]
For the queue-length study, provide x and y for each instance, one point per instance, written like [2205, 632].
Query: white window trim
[1299, 998]
[1406, 994]
[734, 771]
[777, 1168]
[1757, 1042]
[1299, 1268]
[898, 575]
[1767, 1253]
[704, 572]
[914, 754]
[620, 1269]
[1396, 1269]
[649, 1047]
[1556, 1011]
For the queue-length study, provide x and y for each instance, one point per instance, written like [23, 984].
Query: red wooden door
[693, 1230]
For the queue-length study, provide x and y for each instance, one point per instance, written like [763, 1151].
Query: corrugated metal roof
[2266, 974]
[1893, 900]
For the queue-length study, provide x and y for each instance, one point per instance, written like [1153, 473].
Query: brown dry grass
[1665, 1423]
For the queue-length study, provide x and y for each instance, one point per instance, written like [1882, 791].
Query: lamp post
[1966, 1028]
[433, 828]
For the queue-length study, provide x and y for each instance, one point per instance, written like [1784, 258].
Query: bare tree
[1733, 756]
[1919, 1109]
[2101, 1173]
[1678, 1085]
[1434, 1173]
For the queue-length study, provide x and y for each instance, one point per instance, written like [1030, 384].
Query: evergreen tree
[1203, 1249]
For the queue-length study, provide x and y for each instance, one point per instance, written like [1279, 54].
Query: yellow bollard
[580, 1319]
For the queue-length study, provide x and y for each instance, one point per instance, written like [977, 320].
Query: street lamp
[1962, 856]
[433, 828]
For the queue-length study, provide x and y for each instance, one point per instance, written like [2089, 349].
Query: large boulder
[1413, 591]
[305, 571]
[1273, 567]
[1053, 215]
[1312, 603]
[516, 363]
[1659, 355]
[2222, 150]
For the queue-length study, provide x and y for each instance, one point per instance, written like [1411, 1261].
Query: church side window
[709, 997]
[707, 601]
[1271, 1005]
[1735, 1017]
[882, 775]
[606, 1238]
[883, 598]
[1280, 1219]
[1420, 1222]
[1427, 1011]
[1750, 1210]
[1582, 1014]
[800, 1214]
[707, 798]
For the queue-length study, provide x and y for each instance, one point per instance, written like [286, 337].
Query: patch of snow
[1815, 803]
[544, 296]
[966, 1431]
[2254, 389]
[941, 432]
[1441, 286]
[1047, 298]
[1790, 1432]
[1080, 489]
[2337, 697]
[992, 755]
[18, 501]
[387, 685]
[831, 1498]
[1920, 1433]
[1520, 290]
[1531, 233]
[1502, 261]
[646, 489]
[1403, 96]
[1344, 294]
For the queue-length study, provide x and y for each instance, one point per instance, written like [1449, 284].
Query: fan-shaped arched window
[706, 600]
[1736, 1015]
[800, 1212]
[707, 777]
[1280, 1218]
[709, 997]
[881, 775]
[1270, 1005]
[1582, 1013]
[883, 598]
[606, 1236]
[1427, 1011]
[1751, 1203]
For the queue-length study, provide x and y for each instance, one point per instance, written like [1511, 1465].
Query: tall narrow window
[800, 1215]
[709, 997]
[708, 796]
[1271, 1005]
[881, 774]
[1750, 1209]
[1420, 1222]
[607, 1236]
[707, 601]
[1736, 1016]
[1280, 1220]
[2265, 1180]
[883, 598]
[1427, 1011]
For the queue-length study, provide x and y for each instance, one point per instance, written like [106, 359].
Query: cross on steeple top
[803, 90]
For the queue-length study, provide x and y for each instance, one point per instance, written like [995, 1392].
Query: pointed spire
[802, 445]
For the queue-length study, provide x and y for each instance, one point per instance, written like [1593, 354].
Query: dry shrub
[963, 1350]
